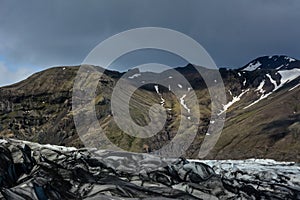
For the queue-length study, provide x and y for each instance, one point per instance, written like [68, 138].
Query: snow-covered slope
[271, 62]
[252, 66]
[286, 76]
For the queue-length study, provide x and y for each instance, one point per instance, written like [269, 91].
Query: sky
[35, 35]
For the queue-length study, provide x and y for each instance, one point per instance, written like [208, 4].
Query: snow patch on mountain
[162, 101]
[286, 76]
[273, 82]
[234, 100]
[279, 67]
[294, 87]
[263, 96]
[156, 89]
[182, 102]
[260, 87]
[134, 76]
[289, 75]
[290, 59]
[252, 66]
[160, 95]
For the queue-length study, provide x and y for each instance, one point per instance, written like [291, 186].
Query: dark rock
[51, 172]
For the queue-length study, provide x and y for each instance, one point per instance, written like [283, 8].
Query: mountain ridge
[271, 62]
[262, 110]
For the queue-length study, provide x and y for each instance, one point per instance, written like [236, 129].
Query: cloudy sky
[38, 34]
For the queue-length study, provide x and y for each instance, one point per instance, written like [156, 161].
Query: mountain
[272, 62]
[262, 112]
[264, 122]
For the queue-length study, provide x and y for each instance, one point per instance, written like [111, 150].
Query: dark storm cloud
[46, 33]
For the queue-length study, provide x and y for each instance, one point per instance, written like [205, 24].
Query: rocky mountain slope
[262, 110]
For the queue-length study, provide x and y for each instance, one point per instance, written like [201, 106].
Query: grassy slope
[268, 129]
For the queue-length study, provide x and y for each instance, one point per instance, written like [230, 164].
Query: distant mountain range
[263, 109]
